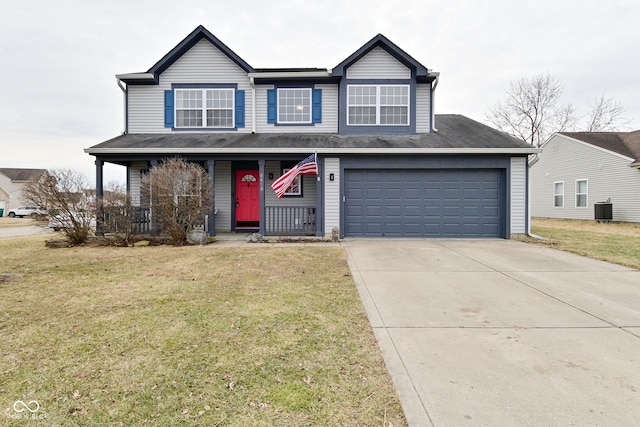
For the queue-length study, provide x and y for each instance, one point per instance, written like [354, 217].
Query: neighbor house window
[581, 193]
[558, 194]
[383, 105]
[207, 108]
[294, 105]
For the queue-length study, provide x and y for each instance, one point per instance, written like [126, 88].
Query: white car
[23, 211]
[61, 221]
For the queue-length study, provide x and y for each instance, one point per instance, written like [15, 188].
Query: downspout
[253, 104]
[433, 114]
[124, 102]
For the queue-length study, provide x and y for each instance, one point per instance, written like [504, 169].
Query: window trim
[297, 181]
[280, 90]
[561, 205]
[378, 106]
[586, 193]
[203, 107]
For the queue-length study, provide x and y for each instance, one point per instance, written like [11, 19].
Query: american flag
[308, 166]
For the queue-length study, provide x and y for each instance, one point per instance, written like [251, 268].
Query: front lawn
[614, 242]
[193, 336]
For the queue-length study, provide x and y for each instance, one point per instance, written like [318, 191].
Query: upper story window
[382, 105]
[207, 108]
[291, 106]
[294, 105]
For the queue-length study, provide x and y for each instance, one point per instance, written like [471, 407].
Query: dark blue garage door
[424, 203]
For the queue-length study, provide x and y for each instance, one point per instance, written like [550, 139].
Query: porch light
[270, 175]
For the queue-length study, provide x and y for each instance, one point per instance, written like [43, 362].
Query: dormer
[383, 90]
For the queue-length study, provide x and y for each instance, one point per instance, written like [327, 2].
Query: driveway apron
[502, 333]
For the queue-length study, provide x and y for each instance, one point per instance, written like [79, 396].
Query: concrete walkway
[502, 333]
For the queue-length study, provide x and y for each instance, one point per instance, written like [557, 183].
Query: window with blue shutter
[239, 108]
[168, 108]
[316, 106]
[272, 105]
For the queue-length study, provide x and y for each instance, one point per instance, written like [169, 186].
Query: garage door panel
[424, 203]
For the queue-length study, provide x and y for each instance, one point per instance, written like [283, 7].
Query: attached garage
[425, 202]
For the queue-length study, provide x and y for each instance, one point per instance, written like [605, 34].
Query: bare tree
[63, 193]
[606, 115]
[532, 109]
[180, 195]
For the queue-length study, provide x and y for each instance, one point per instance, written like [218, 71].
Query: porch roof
[456, 135]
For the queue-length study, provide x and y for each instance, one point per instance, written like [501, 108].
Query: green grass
[618, 243]
[193, 336]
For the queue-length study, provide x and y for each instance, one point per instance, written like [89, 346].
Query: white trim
[586, 202]
[554, 194]
[293, 122]
[288, 74]
[378, 105]
[203, 107]
[135, 76]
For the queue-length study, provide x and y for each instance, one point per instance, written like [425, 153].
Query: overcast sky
[58, 92]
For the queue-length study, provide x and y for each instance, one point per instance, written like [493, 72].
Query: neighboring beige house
[12, 180]
[576, 170]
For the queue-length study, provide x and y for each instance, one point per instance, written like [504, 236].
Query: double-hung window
[294, 105]
[582, 191]
[558, 194]
[204, 108]
[378, 105]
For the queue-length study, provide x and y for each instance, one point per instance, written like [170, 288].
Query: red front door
[247, 198]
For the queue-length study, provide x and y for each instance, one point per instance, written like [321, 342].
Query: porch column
[211, 165]
[320, 198]
[263, 210]
[99, 197]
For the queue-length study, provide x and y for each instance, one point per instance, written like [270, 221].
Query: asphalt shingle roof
[624, 143]
[19, 174]
[454, 132]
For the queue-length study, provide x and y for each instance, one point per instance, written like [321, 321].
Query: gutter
[433, 92]
[252, 82]
[289, 74]
[124, 102]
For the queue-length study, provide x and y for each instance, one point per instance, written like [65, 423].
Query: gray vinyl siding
[331, 195]
[608, 175]
[329, 113]
[518, 195]
[423, 108]
[223, 195]
[308, 188]
[203, 63]
[378, 64]
[135, 172]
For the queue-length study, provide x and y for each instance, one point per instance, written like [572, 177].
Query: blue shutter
[239, 108]
[272, 105]
[316, 106]
[168, 108]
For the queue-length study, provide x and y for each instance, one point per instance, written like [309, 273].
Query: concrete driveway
[502, 333]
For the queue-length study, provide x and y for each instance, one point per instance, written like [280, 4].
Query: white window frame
[585, 194]
[295, 189]
[204, 109]
[284, 90]
[561, 205]
[378, 105]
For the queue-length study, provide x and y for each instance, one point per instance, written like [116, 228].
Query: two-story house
[387, 166]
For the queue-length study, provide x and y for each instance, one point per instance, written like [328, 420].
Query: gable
[204, 62]
[378, 64]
